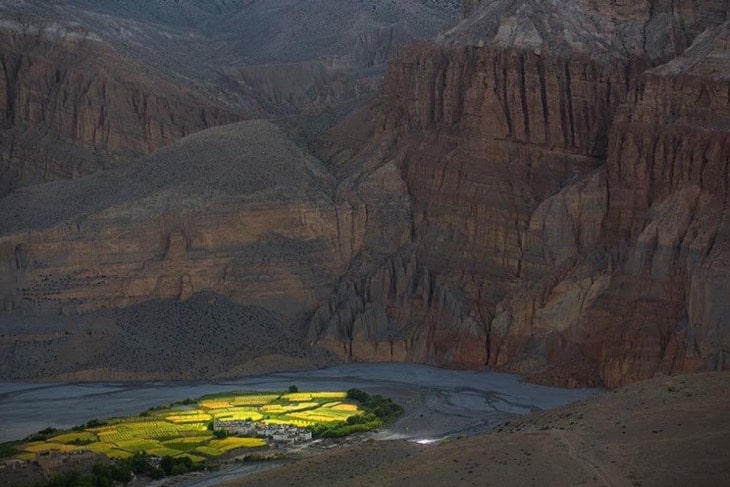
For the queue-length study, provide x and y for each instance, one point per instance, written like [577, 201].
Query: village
[275, 434]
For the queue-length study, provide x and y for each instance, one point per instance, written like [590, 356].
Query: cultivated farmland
[186, 429]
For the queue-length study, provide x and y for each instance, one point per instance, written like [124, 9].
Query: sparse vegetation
[122, 471]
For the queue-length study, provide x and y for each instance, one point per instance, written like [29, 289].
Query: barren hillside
[663, 432]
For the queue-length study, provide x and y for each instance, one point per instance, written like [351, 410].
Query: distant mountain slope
[237, 211]
[87, 85]
[70, 105]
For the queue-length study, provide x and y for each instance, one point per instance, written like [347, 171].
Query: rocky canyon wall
[543, 189]
[71, 105]
[567, 203]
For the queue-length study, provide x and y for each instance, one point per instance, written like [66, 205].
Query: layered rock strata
[71, 106]
[236, 210]
[570, 200]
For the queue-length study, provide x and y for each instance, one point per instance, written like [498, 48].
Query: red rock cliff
[564, 205]
[69, 105]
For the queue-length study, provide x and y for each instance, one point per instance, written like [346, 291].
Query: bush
[378, 411]
[176, 466]
[293, 388]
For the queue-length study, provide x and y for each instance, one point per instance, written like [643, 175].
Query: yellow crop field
[137, 445]
[231, 443]
[39, 446]
[308, 396]
[118, 454]
[75, 436]
[323, 415]
[228, 415]
[297, 396]
[329, 395]
[344, 407]
[189, 418]
[183, 429]
[254, 399]
[215, 404]
[99, 447]
[279, 408]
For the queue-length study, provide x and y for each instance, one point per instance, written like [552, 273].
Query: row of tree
[378, 411]
[124, 470]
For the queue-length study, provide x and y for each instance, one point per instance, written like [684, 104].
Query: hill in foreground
[670, 431]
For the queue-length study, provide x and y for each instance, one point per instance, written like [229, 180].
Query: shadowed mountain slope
[663, 432]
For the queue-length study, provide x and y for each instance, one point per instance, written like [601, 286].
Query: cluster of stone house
[274, 433]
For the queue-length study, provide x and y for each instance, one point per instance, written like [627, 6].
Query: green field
[182, 429]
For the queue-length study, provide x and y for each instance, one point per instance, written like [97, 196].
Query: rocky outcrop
[71, 106]
[570, 200]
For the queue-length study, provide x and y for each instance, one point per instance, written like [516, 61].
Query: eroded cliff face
[565, 202]
[71, 105]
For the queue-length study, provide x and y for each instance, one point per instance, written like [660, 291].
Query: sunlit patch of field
[118, 454]
[138, 445]
[182, 429]
[286, 408]
[196, 417]
[237, 414]
[308, 396]
[76, 436]
[215, 404]
[157, 430]
[99, 447]
[352, 408]
[233, 442]
[323, 415]
[40, 446]
[222, 402]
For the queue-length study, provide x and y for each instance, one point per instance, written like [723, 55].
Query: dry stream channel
[439, 403]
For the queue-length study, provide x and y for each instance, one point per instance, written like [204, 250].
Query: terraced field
[185, 428]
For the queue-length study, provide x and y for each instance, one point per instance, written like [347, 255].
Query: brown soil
[661, 432]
